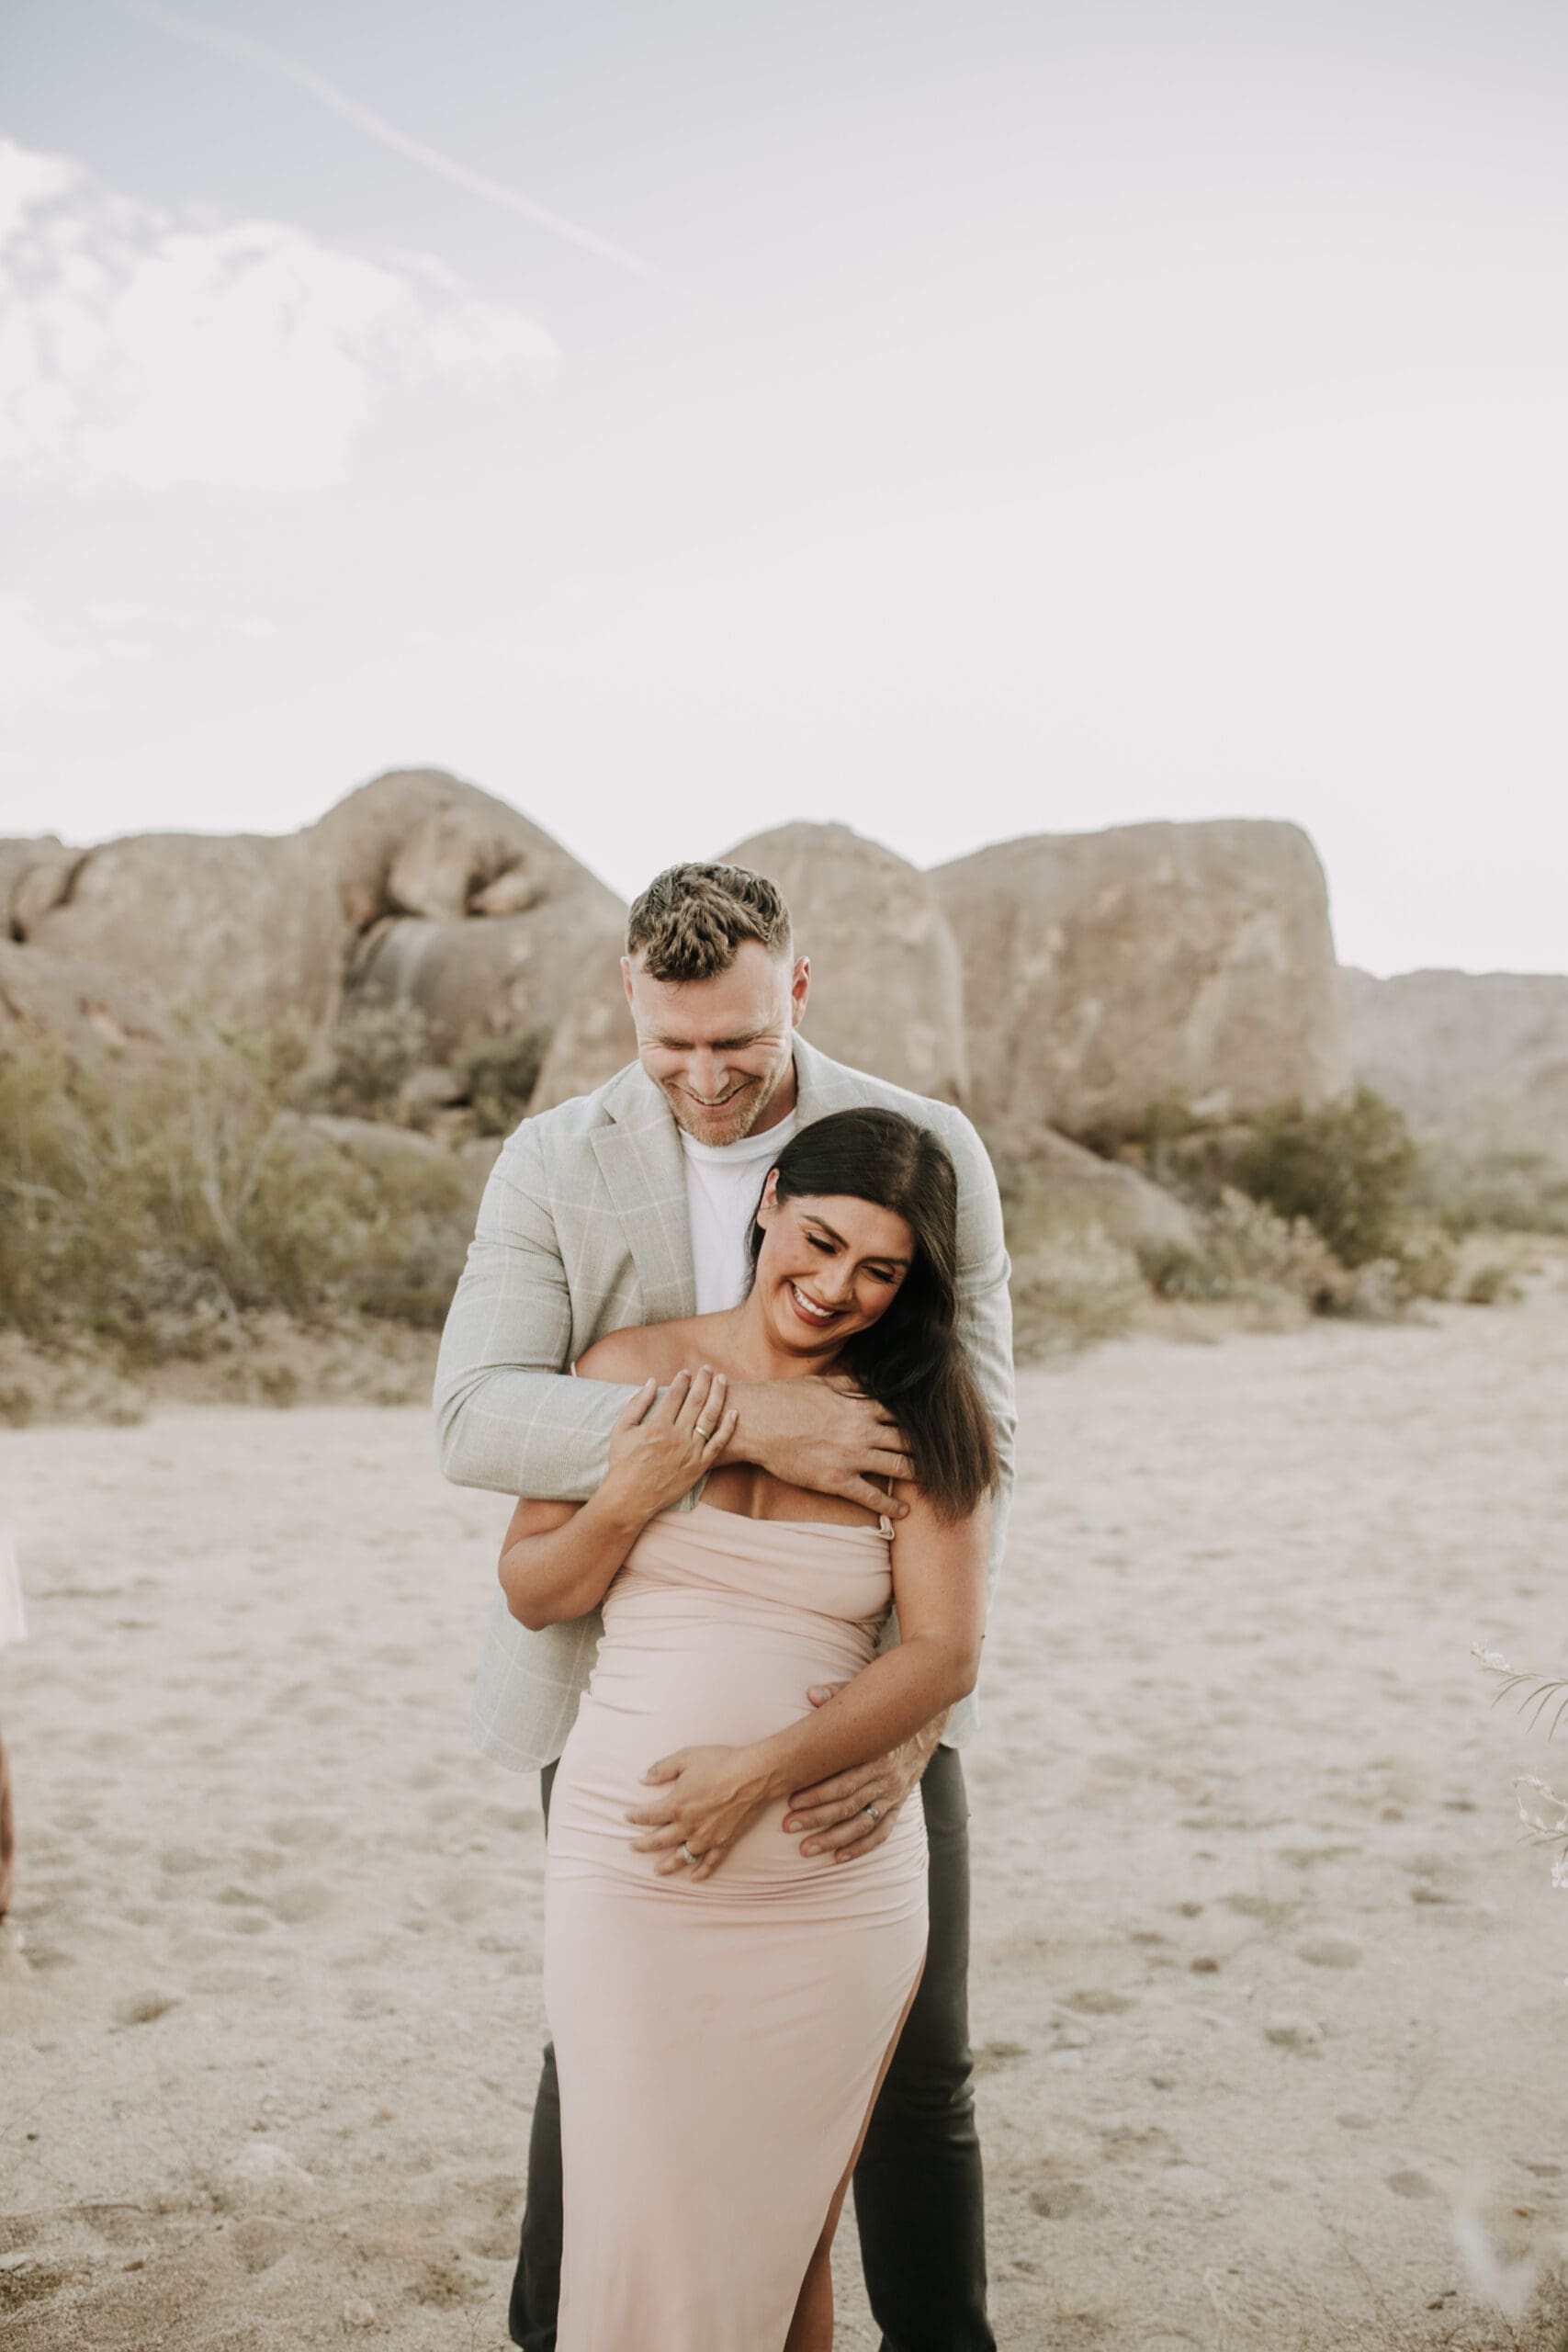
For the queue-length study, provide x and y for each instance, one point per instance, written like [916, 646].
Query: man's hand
[820, 1433]
[834, 1811]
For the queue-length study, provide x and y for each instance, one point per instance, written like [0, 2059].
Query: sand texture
[1262, 1983]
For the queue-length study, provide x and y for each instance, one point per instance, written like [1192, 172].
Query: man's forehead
[731, 1004]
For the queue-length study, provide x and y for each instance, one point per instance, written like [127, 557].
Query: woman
[722, 2006]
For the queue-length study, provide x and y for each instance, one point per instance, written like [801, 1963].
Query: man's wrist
[750, 1437]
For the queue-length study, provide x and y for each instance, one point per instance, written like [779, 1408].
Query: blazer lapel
[822, 1084]
[639, 1158]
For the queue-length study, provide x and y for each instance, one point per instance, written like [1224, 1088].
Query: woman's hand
[661, 1444]
[706, 1797]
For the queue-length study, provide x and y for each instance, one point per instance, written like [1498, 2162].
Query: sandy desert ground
[1263, 1982]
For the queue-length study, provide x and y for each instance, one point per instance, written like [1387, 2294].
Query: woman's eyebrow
[876, 1257]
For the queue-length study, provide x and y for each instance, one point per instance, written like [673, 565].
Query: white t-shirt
[724, 1184]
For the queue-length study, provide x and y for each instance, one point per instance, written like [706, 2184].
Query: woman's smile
[809, 1310]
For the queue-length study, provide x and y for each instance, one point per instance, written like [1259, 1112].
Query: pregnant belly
[644, 1704]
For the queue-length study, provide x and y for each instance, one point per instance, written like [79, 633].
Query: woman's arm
[708, 1795]
[558, 1559]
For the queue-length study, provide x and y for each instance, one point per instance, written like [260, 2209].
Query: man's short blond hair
[691, 920]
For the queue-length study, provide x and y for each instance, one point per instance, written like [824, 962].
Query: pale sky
[962, 422]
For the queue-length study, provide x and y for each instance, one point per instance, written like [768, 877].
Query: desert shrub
[371, 1054]
[144, 1202]
[502, 1076]
[1073, 1288]
[1490, 1281]
[1484, 1183]
[1347, 1168]
[1254, 1248]
[1428, 1262]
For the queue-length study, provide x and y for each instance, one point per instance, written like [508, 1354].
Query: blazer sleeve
[508, 1414]
[986, 1311]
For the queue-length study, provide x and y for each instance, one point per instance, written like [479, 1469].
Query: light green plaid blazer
[583, 1230]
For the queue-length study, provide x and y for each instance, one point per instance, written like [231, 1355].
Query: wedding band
[686, 1853]
[874, 1811]
[701, 1432]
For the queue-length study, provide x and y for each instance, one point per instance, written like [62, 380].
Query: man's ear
[799, 989]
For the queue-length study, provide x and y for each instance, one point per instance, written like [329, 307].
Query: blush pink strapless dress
[718, 2044]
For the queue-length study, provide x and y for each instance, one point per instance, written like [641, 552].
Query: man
[633, 1204]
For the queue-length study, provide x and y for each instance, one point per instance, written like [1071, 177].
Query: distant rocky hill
[1465, 1049]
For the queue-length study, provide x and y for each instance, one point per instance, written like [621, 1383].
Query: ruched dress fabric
[719, 2042]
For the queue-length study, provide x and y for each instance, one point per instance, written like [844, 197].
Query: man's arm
[985, 1313]
[509, 1415]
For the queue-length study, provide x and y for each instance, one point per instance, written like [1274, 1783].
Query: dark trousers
[919, 2194]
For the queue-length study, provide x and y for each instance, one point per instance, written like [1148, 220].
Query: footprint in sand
[1062, 2201]
[304, 1900]
[144, 2008]
[1330, 1951]
[1099, 2001]
[303, 1829]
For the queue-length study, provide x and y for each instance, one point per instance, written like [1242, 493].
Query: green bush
[1483, 1183]
[1347, 1168]
[501, 1077]
[373, 1051]
[146, 1200]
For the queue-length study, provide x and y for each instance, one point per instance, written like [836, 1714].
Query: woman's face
[829, 1266]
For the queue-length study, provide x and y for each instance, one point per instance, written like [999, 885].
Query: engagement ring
[686, 1853]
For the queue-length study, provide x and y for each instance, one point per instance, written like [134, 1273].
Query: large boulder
[595, 1038]
[1105, 972]
[1058, 1189]
[468, 983]
[887, 995]
[472, 920]
[1466, 1049]
[35, 875]
[241, 924]
[886, 987]
[419, 842]
[80, 1004]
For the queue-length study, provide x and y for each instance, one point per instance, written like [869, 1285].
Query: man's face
[720, 1050]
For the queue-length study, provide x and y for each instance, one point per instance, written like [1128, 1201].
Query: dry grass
[148, 1205]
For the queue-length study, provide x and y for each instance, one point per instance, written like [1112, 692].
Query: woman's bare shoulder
[643, 1352]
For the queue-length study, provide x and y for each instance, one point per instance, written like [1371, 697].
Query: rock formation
[470, 917]
[241, 923]
[887, 992]
[886, 987]
[595, 1036]
[1151, 964]
[1466, 1048]
[416, 890]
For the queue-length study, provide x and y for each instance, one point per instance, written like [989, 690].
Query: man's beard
[742, 1110]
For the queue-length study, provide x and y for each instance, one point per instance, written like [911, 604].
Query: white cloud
[138, 351]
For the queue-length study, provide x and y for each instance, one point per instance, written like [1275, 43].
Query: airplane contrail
[288, 69]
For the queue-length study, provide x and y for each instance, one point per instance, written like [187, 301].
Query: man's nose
[706, 1075]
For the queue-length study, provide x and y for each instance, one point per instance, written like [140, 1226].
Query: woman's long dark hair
[910, 1360]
